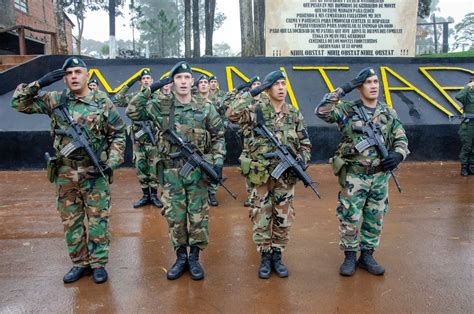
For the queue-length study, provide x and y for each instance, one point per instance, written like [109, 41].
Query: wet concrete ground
[426, 249]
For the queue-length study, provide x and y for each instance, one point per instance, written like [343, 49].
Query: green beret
[213, 78]
[93, 81]
[254, 79]
[202, 77]
[273, 77]
[145, 72]
[180, 67]
[73, 62]
[366, 73]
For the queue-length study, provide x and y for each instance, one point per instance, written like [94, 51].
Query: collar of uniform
[285, 109]
[194, 103]
[89, 99]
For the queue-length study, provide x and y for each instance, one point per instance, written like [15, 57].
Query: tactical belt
[367, 170]
[75, 163]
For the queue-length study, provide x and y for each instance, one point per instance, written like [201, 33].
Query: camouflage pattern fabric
[272, 209]
[199, 123]
[466, 129]
[362, 204]
[80, 196]
[145, 154]
[363, 200]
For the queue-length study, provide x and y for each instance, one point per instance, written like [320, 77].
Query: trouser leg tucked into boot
[195, 268]
[367, 262]
[464, 170]
[154, 198]
[265, 269]
[213, 200]
[348, 267]
[145, 200]
[280, 269]
[180, 265]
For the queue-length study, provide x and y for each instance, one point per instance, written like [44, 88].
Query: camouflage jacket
[288, 126]
[466, 97]
[95, 112]
[198, 122]
[344, 115]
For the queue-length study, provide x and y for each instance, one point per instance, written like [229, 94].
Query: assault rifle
[79, 136]
[145, 129]
[374, 138]
[463, 116]
[193, 159]
[287, 160]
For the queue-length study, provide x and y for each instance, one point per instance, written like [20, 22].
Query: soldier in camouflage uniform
[93, 84]
[363, 176]
[185, 198]
[215, 93]
[272, 211]
[82, 192]
[145, 152]
[466, 129]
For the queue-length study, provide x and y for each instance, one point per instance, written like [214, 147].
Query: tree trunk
[80, 26]
[60, 27]
[196, 39]
[246, 28]
[210, 9]
[259, 26]
[187, 28]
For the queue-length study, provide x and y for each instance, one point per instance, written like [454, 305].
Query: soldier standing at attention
[145, 152]
[466, 130]
[272, 211]
[184, 198]
[215, 92]
[82, 191]
[93, 84]
[363, 176]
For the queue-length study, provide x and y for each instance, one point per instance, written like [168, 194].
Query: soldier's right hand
[133, 81]
[358, 81]
[51, 77]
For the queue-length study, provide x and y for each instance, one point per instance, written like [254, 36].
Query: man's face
[278, 90]
[183, 83]
[370, 89]
[76, 79]
[203, 86]
[213, 84]
[146, 80]
[93, 86]
[166, 89]
[255, 84]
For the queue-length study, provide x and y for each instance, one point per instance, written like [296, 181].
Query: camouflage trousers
[248, 188]
[212, 189]
[466, 134]
[363, 202]
[272, 214]
[79, 198]
[185, 200]
[145, 156]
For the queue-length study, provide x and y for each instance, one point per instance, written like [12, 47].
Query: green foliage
[424, 8]
[464, 32]
[105, 50]
[469, 53]
[222, 50]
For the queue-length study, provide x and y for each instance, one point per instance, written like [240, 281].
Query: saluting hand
[51, 77]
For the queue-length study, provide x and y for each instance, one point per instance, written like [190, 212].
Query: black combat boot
[277, 264]
[464, 170]
[471, 169]
[366, 261]
[180, 265]
[145, 200]
[195, 268]
[154, 198]
[248, 201]
[213, 200]
[265, 269]
[75, 274]
[348, 267]
[99, 274]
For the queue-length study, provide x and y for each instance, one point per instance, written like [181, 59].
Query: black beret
[94, 81]
[145, 72]
[273, 77]
[72, 62]
[366, 73]
[180, 67]
[202, 77]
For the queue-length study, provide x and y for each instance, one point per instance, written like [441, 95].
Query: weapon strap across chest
[171, 117]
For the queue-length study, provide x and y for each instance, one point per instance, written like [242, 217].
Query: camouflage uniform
[272, 209]
[466, 129]
[183, 198]
[79, 194]
[364, 185]
[145, 153]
